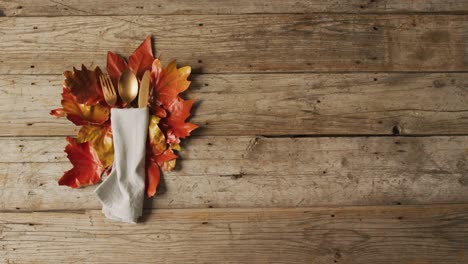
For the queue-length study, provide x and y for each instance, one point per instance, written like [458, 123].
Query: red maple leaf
[115, 66]
[175, 123]
[142, 58]
[87, 168]
[139, 62]
[153, 176]
[167, 155]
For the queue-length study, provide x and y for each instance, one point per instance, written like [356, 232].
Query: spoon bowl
[128, 87]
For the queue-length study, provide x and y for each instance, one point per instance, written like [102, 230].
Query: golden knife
[144, 90]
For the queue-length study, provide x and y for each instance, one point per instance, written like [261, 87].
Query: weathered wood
[276, 65]
[275, 104]
[398, 234]
[204, 7]
[259, 172]
[242, 43]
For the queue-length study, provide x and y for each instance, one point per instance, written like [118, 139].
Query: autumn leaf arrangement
[92, 152]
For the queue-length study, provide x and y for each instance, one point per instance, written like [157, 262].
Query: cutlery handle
[143, 93]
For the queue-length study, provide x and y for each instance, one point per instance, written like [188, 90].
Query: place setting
[132, 120]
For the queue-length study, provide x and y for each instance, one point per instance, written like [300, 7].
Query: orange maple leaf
[165, 133]
[80, 114]
[168, 82]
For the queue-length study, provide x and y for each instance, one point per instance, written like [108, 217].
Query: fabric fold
[122, 192]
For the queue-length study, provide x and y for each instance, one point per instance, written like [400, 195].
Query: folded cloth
[122, 193]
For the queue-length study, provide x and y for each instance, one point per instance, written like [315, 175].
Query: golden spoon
[128, 87]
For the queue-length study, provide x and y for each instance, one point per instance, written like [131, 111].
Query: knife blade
[144, 90]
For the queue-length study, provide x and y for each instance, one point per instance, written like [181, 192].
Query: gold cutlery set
[127, 89]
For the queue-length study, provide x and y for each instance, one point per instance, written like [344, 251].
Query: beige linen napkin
[122, 193]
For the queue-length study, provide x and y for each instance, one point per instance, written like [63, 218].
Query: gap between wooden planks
[412, 234]
[275, 104]
[388, 234]
[188, 7]
[242, 43]
[259, 172]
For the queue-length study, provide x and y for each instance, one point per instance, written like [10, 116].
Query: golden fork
[108, 90]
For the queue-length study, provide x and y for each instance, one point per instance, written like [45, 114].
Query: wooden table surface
[332, 132]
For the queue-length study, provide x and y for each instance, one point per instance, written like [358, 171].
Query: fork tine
[108, 89]
[102, 83]
[103, 86]
[111, 86]
[105, 80]
[105, 90]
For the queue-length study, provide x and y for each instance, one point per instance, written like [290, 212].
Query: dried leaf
[81, 114]
[87, 167]
[100, 137]
[179, 110]
[59, 112]
[169, 82]
[169, 165]
[115, 66]
[84, 85]
[159, 112]
[164, 158]
[171, 138]
[156, 71]
[142, 58]
[176, 147]
[156, 137]
[153, 176]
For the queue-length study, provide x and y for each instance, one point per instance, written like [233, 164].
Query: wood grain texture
[275, 104]
[242, 43]
[187, 7]
[399, 234]
[272, 75]
[259, 172]
[203, 7]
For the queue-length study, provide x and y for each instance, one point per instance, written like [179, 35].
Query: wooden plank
[398, 234]
[259, 172]
[205, 7]
[242, 43]
[275, 104]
